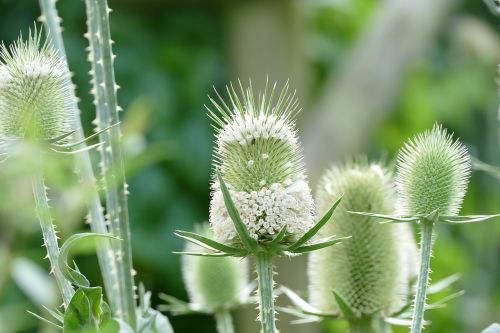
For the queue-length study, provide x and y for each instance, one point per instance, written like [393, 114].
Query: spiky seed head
[433, 171]
[258, 155]
[214, 283]
[366, 270]
[34, 91]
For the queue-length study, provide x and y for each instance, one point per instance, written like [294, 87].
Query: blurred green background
[368, 73]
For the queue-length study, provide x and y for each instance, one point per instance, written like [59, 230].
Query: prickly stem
[50, 238]
[104, 88]
[266, 298]
[85, 172]
[423, 276]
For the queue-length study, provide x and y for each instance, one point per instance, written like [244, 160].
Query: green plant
[215, 286]
[431, 179]
[370, 273]
[261, 203]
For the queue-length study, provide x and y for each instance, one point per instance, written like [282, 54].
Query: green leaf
[345, 308]
[319, 245]
[390, 218]
[78, 314]
[314, 230]
[206, 254]
[44, 319]
[249, 242]
[175, 305]
[443, 284]
[279, 237]
[299, 301]
[209, 243]
[87, 312]
[73, 274]
[442, 302]
[466, 218]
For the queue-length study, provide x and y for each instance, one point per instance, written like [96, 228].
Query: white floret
[265, 212]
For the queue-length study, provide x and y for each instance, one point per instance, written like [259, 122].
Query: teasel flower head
[370, 271]
[433, 172]
[215, 283]
[258, 155]
[34, 92]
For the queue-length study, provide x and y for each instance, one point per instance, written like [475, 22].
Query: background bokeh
[369, 74]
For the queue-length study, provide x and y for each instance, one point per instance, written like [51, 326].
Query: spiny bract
[371, 270]
[259, 158]
[34, 94]
[432, 174]
[214, 283]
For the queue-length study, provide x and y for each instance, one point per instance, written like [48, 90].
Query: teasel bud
[214, 283]
[259, 158]
[433, 172]
[34, 95]
[370, 271]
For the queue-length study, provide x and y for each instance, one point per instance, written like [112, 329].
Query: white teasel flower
[35, 95]
[258, 155]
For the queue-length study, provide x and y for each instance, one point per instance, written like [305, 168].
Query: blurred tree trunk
[357, 98]
[264, 40]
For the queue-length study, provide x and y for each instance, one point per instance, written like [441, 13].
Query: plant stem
[105, 254]
[224, 321]
[423, 276]
[264, 263]
[50, 238]
[104, 88]
[361, 325]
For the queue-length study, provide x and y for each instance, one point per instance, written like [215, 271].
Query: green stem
[361, 325]
[423, 276]
[264, 262]
[104, 88]
[105, 255]
[224, 321]
[50, 238]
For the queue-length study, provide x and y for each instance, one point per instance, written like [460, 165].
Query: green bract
[34, 95]
[432, 174]
[370, 271]
[259, 158]
[214, 283]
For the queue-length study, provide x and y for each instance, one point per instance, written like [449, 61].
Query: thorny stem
[50, 238]
[423, 276]
[105, 255]
[224, 321]
[104, 88]
[264, 262]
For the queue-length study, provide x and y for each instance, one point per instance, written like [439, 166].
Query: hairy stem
[264, 263]
[224, 321]
[50, 238]
[84, 169]
[423, 276]
[104, 88]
